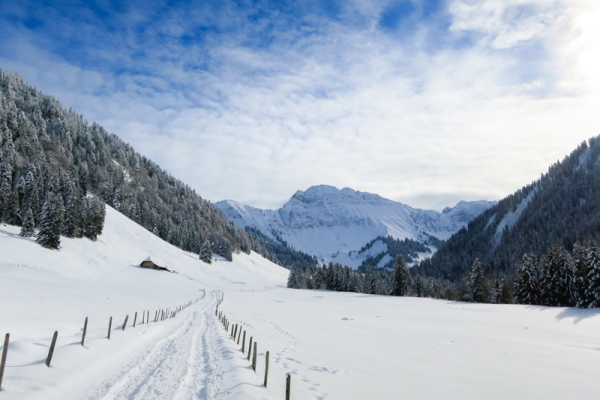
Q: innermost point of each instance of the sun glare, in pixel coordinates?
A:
(587, 47)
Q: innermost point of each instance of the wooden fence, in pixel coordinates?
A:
(237, 332)
(159, 316)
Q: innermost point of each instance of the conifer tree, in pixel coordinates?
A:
(14, 211)
(581, 274)
(5, 187)
(319, 278)
(558, 282)
(479, 286)
(370, 286)
(527, 281)
(292, 282)
(402, 278)
(206, 252)
(505, 294)
(592, 294)
(51, 221)
(310, 283)
(28, 224)
(466, 288)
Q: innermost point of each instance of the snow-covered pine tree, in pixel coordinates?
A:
(558, 281)
(581, 274)
(358, 283)
(28, 224)
(479, 285)
(95, 215)
(527, 281)
(51, 220)
(292, 282)
(5, 186)
(319, 278)
(402, 279)
(592, 293)
(13, 216)
(370, 281)
(505, 294)
(206, 252)
(72, 199)
(466, 288)
(31, 197)
(310, 279)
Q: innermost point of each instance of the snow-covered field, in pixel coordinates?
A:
(356, 346)
(42, 291)
(335, 345)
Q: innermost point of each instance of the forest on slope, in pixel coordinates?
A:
(562, 208)
(50, 155)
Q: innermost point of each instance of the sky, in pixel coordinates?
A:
(423, 102)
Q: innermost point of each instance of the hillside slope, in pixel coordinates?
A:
(562, 207)
(46, 290)
(334, 224)
(48, 152)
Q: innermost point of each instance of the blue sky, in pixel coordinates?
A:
(425, 102)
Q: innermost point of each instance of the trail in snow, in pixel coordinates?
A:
(182, 366)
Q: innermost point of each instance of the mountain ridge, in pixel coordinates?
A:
(333, 224)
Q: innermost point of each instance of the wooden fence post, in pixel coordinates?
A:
(51, 351)
(254, 358)
(134, 319)
(266, 368)
(109, 326)
(125, 322)
(84, 331)
(239, 335)
(287, 386)
(250, 348)
(244, 343)
(3, 360)
(143, 316)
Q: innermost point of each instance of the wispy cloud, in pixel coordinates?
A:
(422, 102)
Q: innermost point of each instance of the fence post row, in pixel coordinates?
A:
(84, 331)
(51, 351)
(3, 360)
(254, 358)
(250, 348)
(266, 368)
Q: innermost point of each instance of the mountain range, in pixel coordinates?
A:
(343, 226)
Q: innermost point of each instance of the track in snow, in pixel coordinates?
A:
(182, 366)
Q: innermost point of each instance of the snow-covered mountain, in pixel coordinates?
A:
(334, 224)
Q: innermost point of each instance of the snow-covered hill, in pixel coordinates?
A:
(46, 290)
(334, 224)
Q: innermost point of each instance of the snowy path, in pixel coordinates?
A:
(184, 365)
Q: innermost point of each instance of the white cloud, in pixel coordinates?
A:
(351, 107)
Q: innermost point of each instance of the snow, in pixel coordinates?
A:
(512, 217)
(335, 345)
(126, 176)
(334, 224)
(356, 346)
(47, 290)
